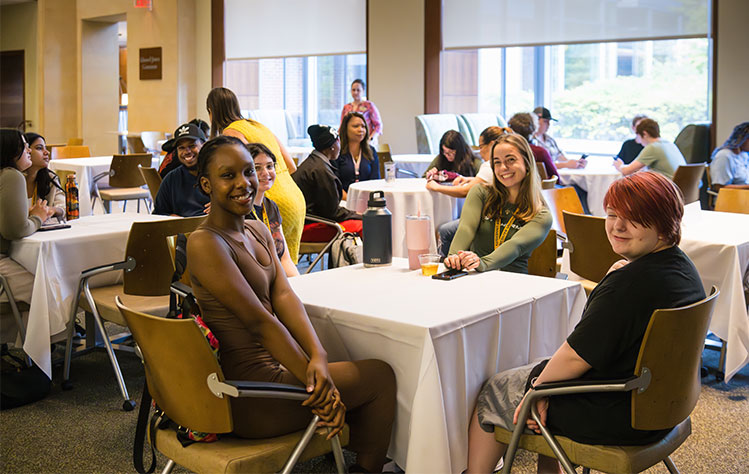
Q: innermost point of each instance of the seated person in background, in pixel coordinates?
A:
(264, 209)
(630, 148)
(524, 125)
(503, 222)
(643, 225)
(730, 161)
(659, 155)
(542, 139)
(17, 218)
(263, 330)
(170, 161)
(321, 187)
(455, 156)
(42, 182)
(462, 184)
(358, 160)
(179, 194)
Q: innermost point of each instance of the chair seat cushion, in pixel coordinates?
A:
(611, 459)
(234, 455)
(104, 298)
(123, 194)
(318, 232)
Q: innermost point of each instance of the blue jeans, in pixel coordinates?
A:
(446, 233)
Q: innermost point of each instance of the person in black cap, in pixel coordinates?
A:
(170, 161)
(178, 194)
(541, 138)
(322, 189)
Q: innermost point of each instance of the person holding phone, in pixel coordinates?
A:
(503, 222)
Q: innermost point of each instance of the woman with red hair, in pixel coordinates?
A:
(643, 225)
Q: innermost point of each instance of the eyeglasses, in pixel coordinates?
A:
(269, 167)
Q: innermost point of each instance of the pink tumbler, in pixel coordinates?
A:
(418, 238)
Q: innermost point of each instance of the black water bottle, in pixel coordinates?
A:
(377, 234)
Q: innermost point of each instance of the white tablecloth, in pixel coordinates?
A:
(416, 163)
(443, 340)
(299, 152)
(595, 178)
(718, 244)
(57, 258)
(85, 169)
(406, 197)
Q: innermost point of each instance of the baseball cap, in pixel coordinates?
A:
(186, 130)
(543, 113)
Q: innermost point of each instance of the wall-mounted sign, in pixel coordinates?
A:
(150, 63)
(143, 4)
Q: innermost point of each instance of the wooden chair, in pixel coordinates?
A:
(152, 178)
(125, 181)
(383, 154)
(147, 274)
(60, 152)
(688, 179)
(549, 183)
(664, 389)
(135, 144)
(732, 200)
(319, 248)
(186, 381)
(543, 259)
(75, 141)
(559, 200)
(591, 255)
(542, 171)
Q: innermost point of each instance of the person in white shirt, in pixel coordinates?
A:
(730, 161)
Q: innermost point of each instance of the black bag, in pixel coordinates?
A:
(20, 384)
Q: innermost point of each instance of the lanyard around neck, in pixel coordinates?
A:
(265, 215)
(500, 237)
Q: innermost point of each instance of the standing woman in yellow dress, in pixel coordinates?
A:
(226, 119)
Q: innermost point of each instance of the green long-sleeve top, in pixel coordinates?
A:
(15, 221)
(476, 233)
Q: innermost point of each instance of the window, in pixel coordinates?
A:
(593, 89)
(312, 89)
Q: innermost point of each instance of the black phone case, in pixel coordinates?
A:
(450, 275)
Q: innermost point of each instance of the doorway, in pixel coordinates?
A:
(12, 90)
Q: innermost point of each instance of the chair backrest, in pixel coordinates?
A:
(541, 171)
(149, 140)
(178, 361)
(147, 244)
(124, 173)
(135, 144)
(431, 127)
(277, 120)
(694, 142)
(152, 178)
(561, 199)
(671, 350)
(383, 154)
(80, 151)
(688, 179)
(549, 183)
(543, 259)
(591, 255)
(476, 123)
(732, 200)
(75, 141)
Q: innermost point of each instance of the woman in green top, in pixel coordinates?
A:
(504, 221)
(455, 155)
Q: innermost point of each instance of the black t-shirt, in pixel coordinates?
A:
(274, 219)
(608, 337)
(630, 150)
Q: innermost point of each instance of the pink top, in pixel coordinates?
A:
(370, 113)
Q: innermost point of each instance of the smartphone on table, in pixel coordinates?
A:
(451, 274)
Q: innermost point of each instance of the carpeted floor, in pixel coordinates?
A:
(84, 430)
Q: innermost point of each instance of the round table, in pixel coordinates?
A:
(406, 197)
(595, 178)
(414, 163)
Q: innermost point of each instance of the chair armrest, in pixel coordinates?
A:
(712, 193)
(180, 289)
(406, 172)
(566, 387)
(101, 175)
(127, 265)
(242, 388)
(328, 222)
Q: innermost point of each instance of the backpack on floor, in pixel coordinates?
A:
(19, 383)
(346, 250)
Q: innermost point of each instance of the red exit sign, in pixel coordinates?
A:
(143, 3)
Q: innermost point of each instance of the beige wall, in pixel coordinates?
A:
(396, 69)
(203, 57)
(732, 72)
(18, 31)
(99, 80)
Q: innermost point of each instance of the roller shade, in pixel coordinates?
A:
(287, 28)
(492, 23)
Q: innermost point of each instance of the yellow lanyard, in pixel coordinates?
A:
(265, 216)
(499, 238)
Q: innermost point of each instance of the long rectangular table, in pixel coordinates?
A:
(443, 339)
(57, 258)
